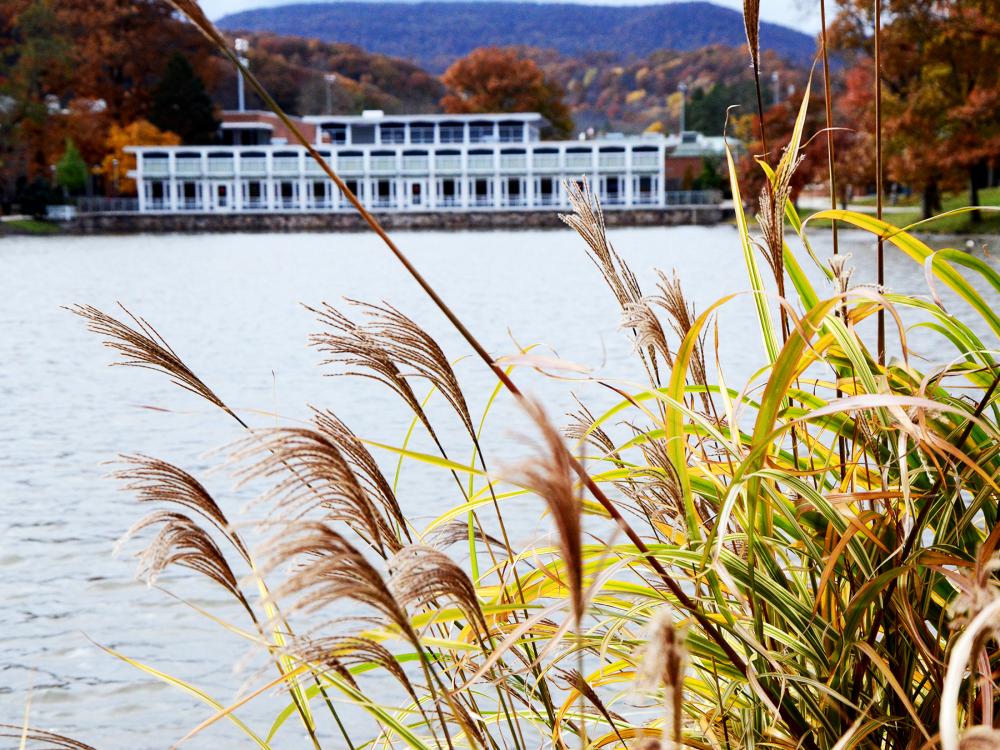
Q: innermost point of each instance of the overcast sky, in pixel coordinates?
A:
(799, 14)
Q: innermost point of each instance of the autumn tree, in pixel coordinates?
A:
(492, 79)
(181, 105)
(118, 161)
(941, 88)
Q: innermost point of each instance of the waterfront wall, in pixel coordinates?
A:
(136, 223)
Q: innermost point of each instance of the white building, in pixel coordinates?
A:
(400, 163)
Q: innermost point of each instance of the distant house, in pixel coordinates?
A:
(416, 163)
(687, 153)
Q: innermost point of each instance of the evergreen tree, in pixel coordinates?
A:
(181, 105)
(71, 170)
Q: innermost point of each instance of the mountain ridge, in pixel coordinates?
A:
(433, 33)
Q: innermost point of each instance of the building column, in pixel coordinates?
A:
(303, 184)
(661, 187)
(465, 177)
(237, 197)
(628, 187)
(140, 183)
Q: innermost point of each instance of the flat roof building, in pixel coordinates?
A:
(432, 162)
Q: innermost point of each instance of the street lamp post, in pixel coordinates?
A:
(683, 88)
(776, 82)
(242, 47)
(331, 80)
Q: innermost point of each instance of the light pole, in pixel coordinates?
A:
(242, 47)
(776, 82)
(114, 165)
(331, 79)
(683, 88)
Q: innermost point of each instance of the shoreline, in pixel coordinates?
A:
(135, 223)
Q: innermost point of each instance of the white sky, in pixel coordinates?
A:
(798, 14)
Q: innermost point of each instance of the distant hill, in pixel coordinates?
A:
(433, 34)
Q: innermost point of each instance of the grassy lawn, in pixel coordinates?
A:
(28, 226)
(960, 224)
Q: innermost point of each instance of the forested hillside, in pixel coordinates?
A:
(434, 34)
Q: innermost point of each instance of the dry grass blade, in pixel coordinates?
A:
(579, 683)
(771, 217)
(751, 22)
(181, 541)
(842, 272)
(341, 652)
(550, 476)
(682, 316)
(664, 662)
(412, 348)
(40, 739)
(365, 468)
(588, 221)
(331, 569)
(141, 346)
(353, 347)
(649, 336)
(421, 576)
(156, 481)
(581, 428)
(454, 532)
(311, 472)
(197, 16)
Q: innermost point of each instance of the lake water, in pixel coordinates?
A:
(230, 305)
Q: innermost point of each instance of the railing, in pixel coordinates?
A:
(383, 203)
(513, 161)
(448, 163)
(414, 163)
(190, 204)
(514, 201)
(611, 161)
(220, 165)
(613, 199)
(321, 204)
(288, 203)
(254, 204)
(253, 165)
(155, 167)
(449, 201)
(286, 165)
(644, 198)
(480, 162)
(383, 164)
(579, 161)
(101, 205)
(188, 166)
(693, 197)
(550, 199)
(351, 163)
(153, 204)
(545, 161)
(645, 161)
(312, 167)
(482, 200)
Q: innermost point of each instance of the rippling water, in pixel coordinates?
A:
(230, 305)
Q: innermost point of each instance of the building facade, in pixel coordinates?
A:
(400, 163)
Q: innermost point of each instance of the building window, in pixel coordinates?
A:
(393, 133)
(355, 187)
(547, 191)
(190, 195)
(336, 133)
(253, 196)
(421, 132)
(511, 132)
(481, 132)
(482, 192)
(451, 132)
(384, 190)
(319, 193)
(362, 134)
(448, 194)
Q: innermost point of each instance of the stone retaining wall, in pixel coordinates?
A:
(133, 223)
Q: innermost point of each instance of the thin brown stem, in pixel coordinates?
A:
(878, 174)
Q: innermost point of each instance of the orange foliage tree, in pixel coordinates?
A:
(492, 79)
(941, 89)
(138, 133)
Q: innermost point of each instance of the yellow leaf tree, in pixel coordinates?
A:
(118, 162)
